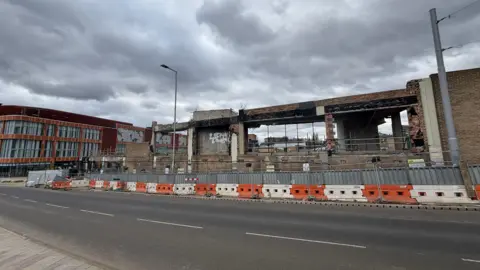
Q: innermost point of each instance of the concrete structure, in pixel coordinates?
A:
(211, 134)
(38, 138)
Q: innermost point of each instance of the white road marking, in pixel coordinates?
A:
(55, 205)
(168, 223)
(28, 200)
(305, 240)
(470, 260)
(3, 194)
(15, 197)
(98, 213)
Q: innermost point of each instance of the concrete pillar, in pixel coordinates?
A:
(341, 142)
(397, 131)
(241, 138)
(234, 150)
(190, 135)
(432, 131)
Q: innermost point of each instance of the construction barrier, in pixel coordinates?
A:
(277, 191)
(440, 194)
(184, 189)
(404, 194)
(205, 189)
(229, 190)
(249, 191)
(151, 188)
(131, 186)
(81, 183)
(352, 193)
(389, 193)
(141, 187)
(166, 189)
(65, 185)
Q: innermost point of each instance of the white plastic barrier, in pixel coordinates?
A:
(98, 184)
(114, 185)
(277, 191)
(80, 183)
(351, 193)
(131, 186)
(229, 190)
(440, 194)
(151, 187)
(184, 189)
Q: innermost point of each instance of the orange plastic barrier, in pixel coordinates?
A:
(106, 185)
(302, 192)
(141, 187)
(477, 191)
(164, 188)
(204, 189)
(249, 190)
(389, 193)
(91, 184)
(66, 185)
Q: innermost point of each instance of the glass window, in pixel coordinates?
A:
(1, 127)
(20, 149)
(120, 148)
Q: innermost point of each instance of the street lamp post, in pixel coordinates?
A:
(174, 118)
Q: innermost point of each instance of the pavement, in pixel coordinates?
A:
(18, 252)
(157, 232)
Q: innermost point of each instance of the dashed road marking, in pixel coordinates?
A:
(15, 197)
(305, 240)
(169, 223)
(3, 194)
(56, 205)
(32, 201)
(98, 213)
(470, 260)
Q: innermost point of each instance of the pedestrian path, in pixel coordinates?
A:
(17, 252)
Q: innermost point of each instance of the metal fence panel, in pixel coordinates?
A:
(207, 178)
(342, 178)
(393, 176)
(474, 172)
(227, 178)
(277, 178)
(250, 178)
(302, 178)
(435, 176)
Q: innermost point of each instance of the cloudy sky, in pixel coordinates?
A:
(103, 57)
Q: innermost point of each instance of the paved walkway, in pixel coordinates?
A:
(19, 253)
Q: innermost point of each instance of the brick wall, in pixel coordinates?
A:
(464, 89)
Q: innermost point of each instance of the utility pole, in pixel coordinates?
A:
(442, 76)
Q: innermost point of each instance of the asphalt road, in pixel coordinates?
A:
(132, 231)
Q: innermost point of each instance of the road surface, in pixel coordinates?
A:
(135, 231)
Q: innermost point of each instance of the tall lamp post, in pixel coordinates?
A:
(174, 118)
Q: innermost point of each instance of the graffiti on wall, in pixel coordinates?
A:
(219, 137)
(163, 139)
(164, 142)
(417, 139)
(129, 135)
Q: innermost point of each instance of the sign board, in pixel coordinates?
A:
(416, 163)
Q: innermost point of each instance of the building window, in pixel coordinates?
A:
(50, 130)
(1, 127)
(91, 134)
(48, 149)
(67, 149)
(23, 127)
(20, 149)
(89, 149)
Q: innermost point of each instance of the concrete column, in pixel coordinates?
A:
(190, 134)
(397, 131)
(341, 146)
(234, 150)
(241, 138)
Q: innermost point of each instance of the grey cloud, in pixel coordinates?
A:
(81, 91)
(230, 19)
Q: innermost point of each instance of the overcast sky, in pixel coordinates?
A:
(103, 57)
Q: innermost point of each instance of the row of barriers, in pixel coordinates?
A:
(404, 194)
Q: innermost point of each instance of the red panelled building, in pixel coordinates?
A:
(38, 138)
